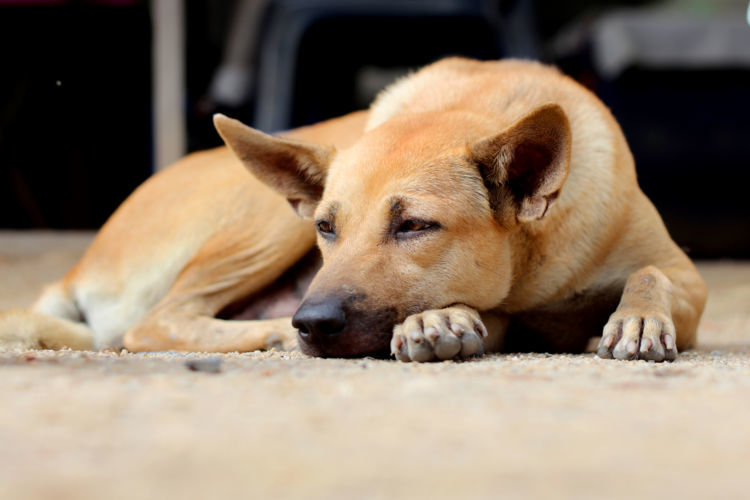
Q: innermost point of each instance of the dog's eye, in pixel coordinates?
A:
(410, 227)
(325, 228)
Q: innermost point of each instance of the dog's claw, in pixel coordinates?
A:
(439, 334)
(480, 329)
(471, 345)
(432, 335)
(398, 349)
(668, 341)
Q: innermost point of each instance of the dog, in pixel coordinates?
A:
(475, 207)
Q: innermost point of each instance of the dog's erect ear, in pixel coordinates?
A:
(295, 169)
(524, 166)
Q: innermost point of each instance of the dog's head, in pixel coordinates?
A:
(414, 216)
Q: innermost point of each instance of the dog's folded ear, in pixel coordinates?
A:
(525, 165)
(295, 169)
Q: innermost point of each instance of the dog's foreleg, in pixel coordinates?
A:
(658, 314)
(453, 332)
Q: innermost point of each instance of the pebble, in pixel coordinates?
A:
(208, 365)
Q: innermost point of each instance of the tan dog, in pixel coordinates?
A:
(476, 206)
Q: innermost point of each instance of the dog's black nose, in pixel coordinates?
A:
(318, 319)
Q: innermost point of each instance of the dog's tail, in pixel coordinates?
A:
(54, 322)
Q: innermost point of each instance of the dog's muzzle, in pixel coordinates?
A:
(331, 326)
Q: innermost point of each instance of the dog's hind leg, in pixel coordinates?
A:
(236, 264)
(203, 333)
(54, 322)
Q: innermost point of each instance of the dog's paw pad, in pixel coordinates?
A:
(439, 334)
(645, 337)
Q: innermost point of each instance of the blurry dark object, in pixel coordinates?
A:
(326, 86)
(312, 60)
(74, 120)
(690, 134)
(677, 80)
(312, 51)
(206, 365)
(75, 115)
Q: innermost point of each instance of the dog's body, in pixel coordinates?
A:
(472, 200)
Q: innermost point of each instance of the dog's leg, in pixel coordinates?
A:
(54, 322)
(238, 262)
(202, 333)
(657, 315)
(29, 330)
(454, 332)
(185, 319)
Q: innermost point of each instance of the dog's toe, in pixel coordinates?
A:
(418, 347)
(444, 342)
(652, 347)
(627, 347)
(471, 344)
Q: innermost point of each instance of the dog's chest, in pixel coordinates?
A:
(566, 325)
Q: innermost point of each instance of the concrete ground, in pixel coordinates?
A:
(83, 425)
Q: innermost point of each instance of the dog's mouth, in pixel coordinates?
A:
(334, 351)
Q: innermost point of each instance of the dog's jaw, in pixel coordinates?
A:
(318, 351)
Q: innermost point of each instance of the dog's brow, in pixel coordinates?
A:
(397, 206)
(330, 213)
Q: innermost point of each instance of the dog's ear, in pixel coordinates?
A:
(295, 169)
(524, 166)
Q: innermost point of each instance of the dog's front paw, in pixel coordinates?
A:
(632, 335)
(439, 334)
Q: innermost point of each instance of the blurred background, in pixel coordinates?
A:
(96, 95)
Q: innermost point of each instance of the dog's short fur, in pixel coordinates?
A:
(475, 206)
